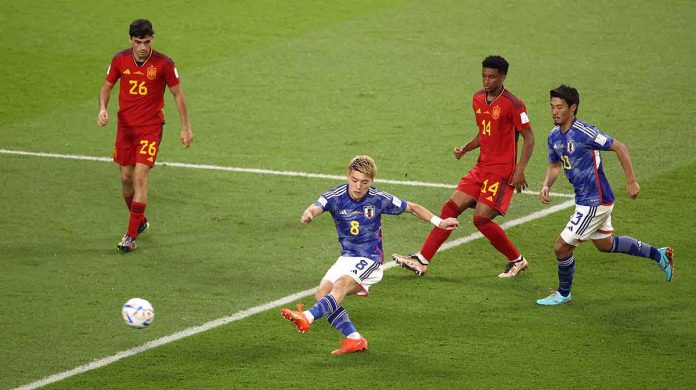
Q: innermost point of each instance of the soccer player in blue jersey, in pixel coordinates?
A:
(357, 209)
(575, 147)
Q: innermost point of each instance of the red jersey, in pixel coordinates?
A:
(141, 96)
(499, 124)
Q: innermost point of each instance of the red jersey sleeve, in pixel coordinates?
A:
(114, 71)
(519, 116)
(171, 76)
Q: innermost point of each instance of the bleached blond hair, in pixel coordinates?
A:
(363, 164)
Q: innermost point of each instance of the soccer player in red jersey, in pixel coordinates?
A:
(144, 73)
(488, 187)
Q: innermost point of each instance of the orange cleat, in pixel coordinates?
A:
(351, 345)
(297, 317)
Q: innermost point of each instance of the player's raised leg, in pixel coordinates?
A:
(633, 247)
(329, 306)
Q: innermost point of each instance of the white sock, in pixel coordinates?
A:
(355, 336)
(422, 259)
(309, 316)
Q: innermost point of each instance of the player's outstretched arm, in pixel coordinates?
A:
(518, 178)
(553, 170)
(311, 212)
(104, 96)
(425, 214)
(180, 100)
(632, 187)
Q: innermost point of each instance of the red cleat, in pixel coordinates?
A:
(297, 317)
(351, 345)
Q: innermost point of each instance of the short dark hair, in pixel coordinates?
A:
(140, 28)
(568, 94)
(496, 62)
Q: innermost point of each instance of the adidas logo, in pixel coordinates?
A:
(127, 71)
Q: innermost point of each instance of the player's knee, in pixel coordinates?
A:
(140, 181)
(562, 250)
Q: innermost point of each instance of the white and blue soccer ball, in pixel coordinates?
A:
(138, 313)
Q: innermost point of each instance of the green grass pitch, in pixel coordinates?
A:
(304, 86)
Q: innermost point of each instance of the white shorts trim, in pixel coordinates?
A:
(588, 223)
(365, 271)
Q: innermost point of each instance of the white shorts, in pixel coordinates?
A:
(588, 223)
(365, 271)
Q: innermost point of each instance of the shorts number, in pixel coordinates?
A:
(141, 88)
(566, 162)
(148, 147)
(354, 228)
(576, 218)
(485, 127)
(361, 265)
(492, 188)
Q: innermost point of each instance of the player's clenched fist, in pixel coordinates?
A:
(103, 118)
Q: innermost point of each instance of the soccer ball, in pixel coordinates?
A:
(138, 313)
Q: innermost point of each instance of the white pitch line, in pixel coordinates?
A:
(258, 309)
(249, 170)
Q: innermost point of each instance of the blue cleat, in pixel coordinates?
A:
(666, 262)
(555, 299)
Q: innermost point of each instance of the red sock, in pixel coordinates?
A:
(438, 236)
(496, 235)
(129, 200)
(137, 213)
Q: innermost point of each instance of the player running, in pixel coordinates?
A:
(575, 146)
(357, 209)
(144, 72)
(487, 188)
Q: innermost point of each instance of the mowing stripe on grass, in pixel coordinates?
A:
(258, 309)
(248, 170)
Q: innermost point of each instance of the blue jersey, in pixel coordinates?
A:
(359, 223)
(578, 152)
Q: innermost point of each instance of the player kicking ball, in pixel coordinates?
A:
(357, 209)
(574, 146)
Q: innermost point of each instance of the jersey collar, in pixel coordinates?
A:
(144, 62)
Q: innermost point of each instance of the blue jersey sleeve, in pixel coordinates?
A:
(553, 156)
(327, 201)
(323, 203)
(600, 141)
(391, 204)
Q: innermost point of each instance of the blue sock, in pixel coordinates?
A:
(324, 306)
(339, 319)
(566, 269)
(633, 247)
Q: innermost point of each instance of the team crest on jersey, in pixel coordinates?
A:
(151, 72)
(570, 146)
(496, 112)
(369, 211)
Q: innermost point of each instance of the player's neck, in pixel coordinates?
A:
(141, 61)
(492, 95)
(567, 125)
